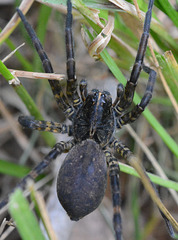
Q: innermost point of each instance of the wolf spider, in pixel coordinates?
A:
(81, 181)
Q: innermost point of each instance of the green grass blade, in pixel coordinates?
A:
(25, 220)
(135, 207)
(161, 100)
(167, 8)
(28, 101)
(154, 178)
(13, 169)
(25, 63)
(170, 71)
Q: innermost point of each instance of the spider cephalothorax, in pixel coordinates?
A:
(82, 177)
(95, 118)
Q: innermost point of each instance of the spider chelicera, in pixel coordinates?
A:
(82, 177)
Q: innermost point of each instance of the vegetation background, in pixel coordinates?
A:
(156, 130)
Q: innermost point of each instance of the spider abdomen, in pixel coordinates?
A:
(82, 178)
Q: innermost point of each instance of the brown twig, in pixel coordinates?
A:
(36, 75)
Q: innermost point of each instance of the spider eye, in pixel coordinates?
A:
(93, 95)
(94, 92)
(106, 98)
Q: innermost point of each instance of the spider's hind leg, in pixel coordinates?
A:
(125, 153)
(115, 187)
(58, 149)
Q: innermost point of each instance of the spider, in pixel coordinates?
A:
(81, 181)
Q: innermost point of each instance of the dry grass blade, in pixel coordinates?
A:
(3, 225)
(37, 75)
(93, 15)
(101, 41)
(128, 7)
(19, 136)
(12, 53)
(152, 159)
(135, 163)
(7, 232)
(171, 58)
(37, 186)
(15, 20)
(40, 204)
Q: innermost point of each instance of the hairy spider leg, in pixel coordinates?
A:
(115, 187)
(134, 114)
(58, 93)
(127, 98)
(58, 149)
(83, 89)
(126, 154)
(71, 92)
(41, 125)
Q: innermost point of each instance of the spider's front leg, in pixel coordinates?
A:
(115, 187)
(58, 93)
(125, 153)
(127, 98)
(58, 149)
(72, 93)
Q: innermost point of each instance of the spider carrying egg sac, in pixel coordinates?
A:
(82, 179)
